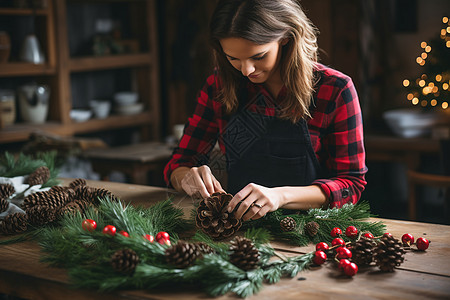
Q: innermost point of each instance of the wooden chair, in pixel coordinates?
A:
(416, 179)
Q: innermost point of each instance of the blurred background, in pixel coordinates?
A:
(109, 84)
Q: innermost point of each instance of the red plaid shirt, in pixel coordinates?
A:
(335, 128)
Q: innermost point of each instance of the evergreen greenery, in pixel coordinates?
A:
(87, 255)
(10, 166)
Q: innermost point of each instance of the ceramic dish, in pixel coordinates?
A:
(80, 115)
(130, 109)
(125, 98)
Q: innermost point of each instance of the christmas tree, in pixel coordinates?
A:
(431, 88)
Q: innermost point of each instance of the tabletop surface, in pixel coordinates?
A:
(423, 275)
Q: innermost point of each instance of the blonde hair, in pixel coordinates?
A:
(262, 22)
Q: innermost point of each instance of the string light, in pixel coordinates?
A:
(443, 32)
(410, 96)
(444, 20)
(406, 83)
(415, 101)
(422, 83)
(423, 44)
(438, 77)
(433, 102)
(444, 105)
(428, 49)
(445, 86)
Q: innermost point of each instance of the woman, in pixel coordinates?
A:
(290, 128)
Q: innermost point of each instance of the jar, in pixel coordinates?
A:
(7, 107)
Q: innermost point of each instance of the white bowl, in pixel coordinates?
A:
(410, 123)
(100, 108)
(129, 109)
(80, 115)
(125, 98)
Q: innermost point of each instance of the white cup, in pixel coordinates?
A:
(100, 108)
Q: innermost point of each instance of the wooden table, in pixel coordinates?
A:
(134, 160)
(423, 275)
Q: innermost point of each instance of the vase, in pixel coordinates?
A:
(31, 50)
(33, 102)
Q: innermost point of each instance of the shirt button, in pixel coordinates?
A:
(345, 193)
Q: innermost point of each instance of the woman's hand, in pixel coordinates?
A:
(199, 181)
(255, 202)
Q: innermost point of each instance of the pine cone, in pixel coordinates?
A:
(362, 251)
(92, 194)
(288, 224)
(204, 248)
(182, 254)
(70, 208)
(40, 215)
(311, 228)
(6, 190)
(14, 223)
(52, 199)
(77, 182)
(389, 253)
(243, 253)
(125, 261)
(70, 192)
(213, 218)
(39, 176)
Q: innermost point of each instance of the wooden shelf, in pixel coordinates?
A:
(91, 63)
(23, 12)
(25, 69)
(21, 131)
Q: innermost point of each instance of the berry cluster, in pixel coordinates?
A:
(90, 225)
(342, 251)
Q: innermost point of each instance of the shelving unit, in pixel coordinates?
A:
(59, 69)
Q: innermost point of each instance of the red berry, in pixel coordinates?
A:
(163, 238)
(319, 257)
(408, 239)
(387, 234)
(322, 246)
(344, 252)
(343, 263)
(351, 231)
(89, 225)
(337, 241)
(351, 269)
(109, 229)
(149, 237)
(336, 231)
(124, 233)
(422, 243)
(368, 235)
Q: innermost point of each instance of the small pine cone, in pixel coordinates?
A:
(213, 217)
(70, 192)
(41, 215)
(52, 199)
(92, 194)
(6, 190)
(39, 176)
(311, 228)
(363, 251)
(288, 224)
(70, 208)
(14, 223)
(77, 182)
(389, 253)
(243, 253)
(204, 248)
(4, 204)
(125, 261)
(182, 254)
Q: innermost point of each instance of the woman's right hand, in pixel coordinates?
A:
(196, 181)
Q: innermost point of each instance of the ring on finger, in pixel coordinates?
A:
(257, 205)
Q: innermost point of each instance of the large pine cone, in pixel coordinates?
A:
(14, 223)
(41, 215)
(389, 253)
(71, 208)
(52, 199)
(204, 248)
(363, 251)
(6, 190)
(288, 224)
(77, 182)
(125, 261)
(311, 228)
(244, 253)
(92, 194)
(39, 176)
(182, 254)
(213, 218)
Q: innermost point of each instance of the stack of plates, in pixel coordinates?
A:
(126, 103)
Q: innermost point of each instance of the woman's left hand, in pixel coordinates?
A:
(255, 202)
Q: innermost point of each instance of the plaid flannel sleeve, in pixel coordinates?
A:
(200, 133)
(343, 143)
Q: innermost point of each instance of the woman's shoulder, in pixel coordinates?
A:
(329, 76)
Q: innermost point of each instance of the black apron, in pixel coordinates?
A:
(267, 150)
